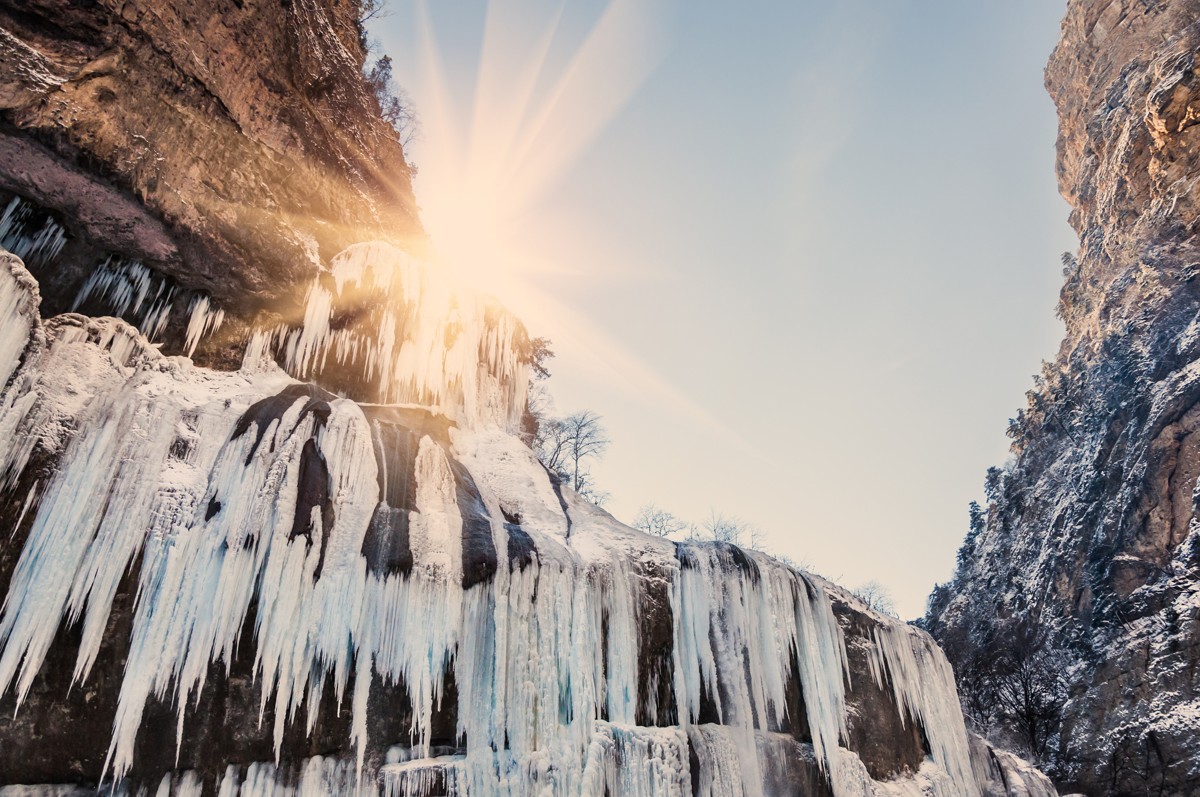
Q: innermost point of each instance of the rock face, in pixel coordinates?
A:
(1090, 543)
(229, 147)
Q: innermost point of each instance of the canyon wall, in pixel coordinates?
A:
(1088, 553)
(227, 148)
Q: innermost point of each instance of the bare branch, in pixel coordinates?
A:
(877, 597)
(657, 521)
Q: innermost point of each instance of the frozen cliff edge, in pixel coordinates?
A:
(237, 583)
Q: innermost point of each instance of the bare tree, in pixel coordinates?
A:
(722, 528)
(796, 564)
(551, 443)
(755, 537)
(1011, 684)
(586, 440)
(395, 106)
(371, 9)
(877, 597)
(976, 655)
(657, 521)
(588, 490)
(1031, 686)
(566, 446)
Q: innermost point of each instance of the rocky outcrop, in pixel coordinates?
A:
(1001, 774)
(229, 147)
(1090, 548)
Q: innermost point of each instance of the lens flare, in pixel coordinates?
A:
(493, 153)
(495, 146)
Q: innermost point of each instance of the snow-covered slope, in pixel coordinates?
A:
(238, 583)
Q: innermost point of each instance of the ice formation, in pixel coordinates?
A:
(117, 285)
(130, 289)
(406, 332)
(30, 235)
(356, 546)
(203, 319)
(922, 682)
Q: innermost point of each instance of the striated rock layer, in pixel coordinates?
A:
(230, 148)
(1091, 543)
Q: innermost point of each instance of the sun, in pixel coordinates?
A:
(496, 144)
(493, 150)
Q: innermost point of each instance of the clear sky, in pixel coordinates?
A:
(801, 256)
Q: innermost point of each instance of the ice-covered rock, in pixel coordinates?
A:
(238, 583)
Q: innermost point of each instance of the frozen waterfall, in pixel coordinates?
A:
(408, 566)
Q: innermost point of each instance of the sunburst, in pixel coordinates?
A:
(494, 150)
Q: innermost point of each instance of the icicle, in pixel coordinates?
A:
(318, 776)
(258, 356)
(752, 617)
(422, 777)
(722, 759)
(203, 319)
(127, 287)
(415, 338)
(37, 246)
(86, 531)
(190, 785)
(228, 786)
(923, 682)
(637, 762)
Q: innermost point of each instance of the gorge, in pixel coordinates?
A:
(270, 528)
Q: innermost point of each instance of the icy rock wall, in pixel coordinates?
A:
(531, 644)
(114, 285)
(385, 327)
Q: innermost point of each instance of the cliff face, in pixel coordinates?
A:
(1090, 548)
(230, 148)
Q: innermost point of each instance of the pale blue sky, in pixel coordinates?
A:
(822, 239)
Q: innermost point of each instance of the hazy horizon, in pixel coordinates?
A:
(802, 258)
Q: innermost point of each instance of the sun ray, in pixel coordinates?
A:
(493, 153)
